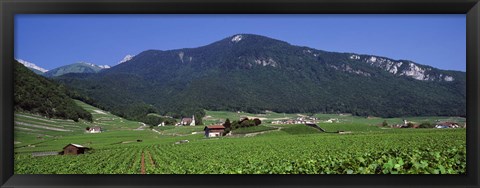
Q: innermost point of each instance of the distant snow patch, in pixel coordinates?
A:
(31, 65)
(237, 38)
(126, 58)
(91, 64)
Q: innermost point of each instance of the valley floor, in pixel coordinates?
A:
(283, 149)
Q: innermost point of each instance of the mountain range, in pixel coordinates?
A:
(253, 73)
(81, 67)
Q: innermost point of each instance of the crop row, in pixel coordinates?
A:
(440, 152)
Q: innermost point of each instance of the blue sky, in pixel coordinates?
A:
(51, 41)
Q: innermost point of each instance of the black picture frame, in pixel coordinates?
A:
(8, 8)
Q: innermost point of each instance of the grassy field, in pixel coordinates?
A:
(127, 147)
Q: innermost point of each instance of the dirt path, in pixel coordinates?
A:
(142, 127)
(169, 134)
(157, 131)
(142, 163)
(99, 112)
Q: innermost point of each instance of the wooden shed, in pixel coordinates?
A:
(74, 149)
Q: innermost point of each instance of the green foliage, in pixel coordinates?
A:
(38, 95)
(426, 125)
(410, 125)
(227, 123)
(384, 123)
(228, 126)
(257, 121)
(245, 122)
(156, 120)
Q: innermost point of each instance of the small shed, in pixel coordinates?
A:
(214, 130)
(74, 149)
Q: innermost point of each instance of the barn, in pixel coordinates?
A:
(214, 130)
(74, 149)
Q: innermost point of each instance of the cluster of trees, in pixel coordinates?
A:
(245, 122)
(426, 125)
(38, 95)
(154, 120)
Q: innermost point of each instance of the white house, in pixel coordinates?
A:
(95, 129)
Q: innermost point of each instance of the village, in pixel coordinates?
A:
(218, 128)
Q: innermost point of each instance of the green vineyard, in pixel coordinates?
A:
(396, 152)
(128, 147)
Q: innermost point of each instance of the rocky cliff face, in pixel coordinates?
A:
(404, 68)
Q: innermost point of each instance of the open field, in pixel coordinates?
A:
(283, 149)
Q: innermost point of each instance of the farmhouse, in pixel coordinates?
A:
(95, 129)
(187, 121)
(74, 149)
(214, 130)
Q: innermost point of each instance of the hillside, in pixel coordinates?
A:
(75, 68)
(38, 95)
(254, 73)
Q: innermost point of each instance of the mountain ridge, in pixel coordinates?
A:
(255, 73)
(33, 67)
(80, 67)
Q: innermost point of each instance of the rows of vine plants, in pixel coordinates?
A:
(439, 152)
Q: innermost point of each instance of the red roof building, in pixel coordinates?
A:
(214, 130)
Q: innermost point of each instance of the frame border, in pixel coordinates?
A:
(8, 8)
